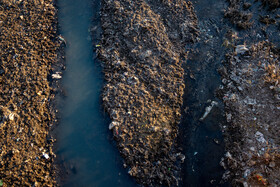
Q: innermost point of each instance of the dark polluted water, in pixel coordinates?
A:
(202, 139)
(84, 144)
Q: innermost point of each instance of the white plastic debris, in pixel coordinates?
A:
(241, 49)
(113, 124)
(56, 75)
(208, 110)
(46, 156)
(228, 155)
(11, 116)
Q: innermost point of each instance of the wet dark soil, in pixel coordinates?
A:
(251, 97)
(142, 50)
(28, 47)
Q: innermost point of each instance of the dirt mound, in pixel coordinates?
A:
(28, 47)
(142, 50)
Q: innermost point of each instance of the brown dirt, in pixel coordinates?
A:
(28, 48)
(142, 50)
(251, 93)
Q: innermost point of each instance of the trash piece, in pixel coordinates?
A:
(62, 39)
(241, 49)
(1, 182)
(216, 141)
(11, 116)
(113, 124)
(208, 110)
(46, 156)
(56, 75)
(195, 153)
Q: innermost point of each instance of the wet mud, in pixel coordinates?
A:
(28, 48)
(250, 94)
(246, 14)
(251, 97)
(142, 51)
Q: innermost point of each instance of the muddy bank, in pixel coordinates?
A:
(28, 47)
(250, 92)
(142, 50)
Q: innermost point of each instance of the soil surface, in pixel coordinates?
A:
(250, 92)
(252, 105)
(142, 50)
(28, 48)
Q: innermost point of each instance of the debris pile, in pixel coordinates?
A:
(28, 48)
(142, 50)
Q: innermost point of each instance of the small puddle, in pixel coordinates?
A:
(84, 145)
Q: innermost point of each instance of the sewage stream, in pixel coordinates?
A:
(84, 144)
(202, 139)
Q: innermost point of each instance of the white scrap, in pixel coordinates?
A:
(11, 116)
(56, 75)
(241, 49)
(113, 124)
(208, 110)
(46, 156)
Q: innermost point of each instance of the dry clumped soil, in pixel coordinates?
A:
(28, 49)
(251, 93)
(142, 50)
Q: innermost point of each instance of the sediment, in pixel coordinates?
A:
(251, 94)
(142, 49)
(28, 48)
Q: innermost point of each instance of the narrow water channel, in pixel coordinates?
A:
(84, 146)
(202, 140)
